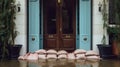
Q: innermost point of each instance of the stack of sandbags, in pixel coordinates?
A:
(51, 54)
(62, 54)
(24, 57)
(32, 56)
(92, 55)
(41, 53)
(80, 54)
(71, 56)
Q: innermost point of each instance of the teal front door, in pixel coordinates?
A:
(59, 24)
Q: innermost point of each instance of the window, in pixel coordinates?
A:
(114, 12)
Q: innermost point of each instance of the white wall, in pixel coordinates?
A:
(21, 26)
(97, 25)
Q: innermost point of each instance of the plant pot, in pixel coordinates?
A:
(14, 51)
(116, 48)
(106, 51)
(0, 51)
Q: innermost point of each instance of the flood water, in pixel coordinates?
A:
(60, 63)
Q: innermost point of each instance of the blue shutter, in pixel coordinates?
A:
(85, 24)
(34, 20)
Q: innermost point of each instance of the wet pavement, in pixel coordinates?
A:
(60, 63)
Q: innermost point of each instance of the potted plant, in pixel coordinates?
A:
(105, 50)
(8, 31)
(114, 30)
(0, 51)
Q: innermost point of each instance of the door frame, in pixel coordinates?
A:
(77, 25)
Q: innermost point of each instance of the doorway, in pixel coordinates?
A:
(59, 24)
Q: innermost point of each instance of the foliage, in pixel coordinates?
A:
(105, 19)
(115, 29)
(7, 24)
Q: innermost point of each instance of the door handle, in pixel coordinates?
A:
(33, 39)
(50, 36)
(60, 29)
(67, 36)
(85, 39)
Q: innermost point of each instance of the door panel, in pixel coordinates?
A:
(67, 44)
(59, 24)
(85, 24)
(50, 41)
(33, 25)
(67, 34)
(50, 24)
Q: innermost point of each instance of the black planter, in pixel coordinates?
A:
(14, 51)
(0, 51)
(106, 51)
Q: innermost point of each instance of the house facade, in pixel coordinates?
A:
(59, 24)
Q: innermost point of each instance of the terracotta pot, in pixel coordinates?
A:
(116, 48)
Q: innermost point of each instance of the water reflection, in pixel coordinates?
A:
(109, 63)
(60, 63)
